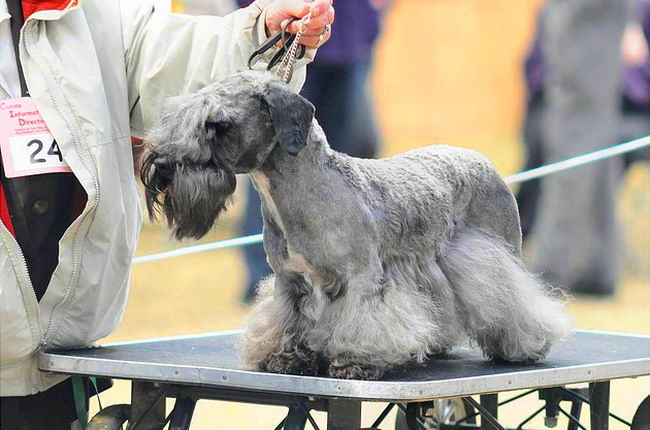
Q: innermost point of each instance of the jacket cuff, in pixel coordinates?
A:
(259, 31)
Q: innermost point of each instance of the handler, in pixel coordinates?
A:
(91, 75)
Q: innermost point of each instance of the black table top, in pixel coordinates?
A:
(213, 360)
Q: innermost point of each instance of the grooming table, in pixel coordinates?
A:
(209, 367)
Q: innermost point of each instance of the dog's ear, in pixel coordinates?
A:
(291, 115)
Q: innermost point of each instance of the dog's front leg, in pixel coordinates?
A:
(275, 330)
(382, 322)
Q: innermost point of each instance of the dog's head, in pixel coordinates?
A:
(202, 140)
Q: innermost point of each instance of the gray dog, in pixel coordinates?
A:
(377, 262)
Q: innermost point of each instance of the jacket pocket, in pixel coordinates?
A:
(19, 336)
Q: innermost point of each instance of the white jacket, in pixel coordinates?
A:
(98, 72)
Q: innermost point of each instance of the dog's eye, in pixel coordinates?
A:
(219, 127)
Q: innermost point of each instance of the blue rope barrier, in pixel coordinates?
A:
(527, 175)
(578, 160)
(228, 243)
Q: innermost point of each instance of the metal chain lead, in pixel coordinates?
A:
(286, 66)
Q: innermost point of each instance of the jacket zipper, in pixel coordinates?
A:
(77, 145)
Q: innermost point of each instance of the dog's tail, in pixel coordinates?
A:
(511, 314)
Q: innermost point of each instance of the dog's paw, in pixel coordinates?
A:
(355, 371)
(306, 364)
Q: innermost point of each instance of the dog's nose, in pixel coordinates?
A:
(164, 169)
(162, 163)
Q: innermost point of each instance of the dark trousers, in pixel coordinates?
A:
(528, 193)
(53, 409)
(635, 123)
(575, 238)
(345, 111)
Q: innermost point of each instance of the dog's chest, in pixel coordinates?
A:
(293, 260)
(263, 188)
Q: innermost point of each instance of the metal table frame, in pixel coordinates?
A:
(158, 377)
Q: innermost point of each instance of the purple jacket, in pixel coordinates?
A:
(354, 32)
(636, 80)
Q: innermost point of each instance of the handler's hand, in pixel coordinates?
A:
(322, 15)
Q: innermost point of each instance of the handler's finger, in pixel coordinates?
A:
(297, 8)
(316, 25)
(315, 41)
(319, 7)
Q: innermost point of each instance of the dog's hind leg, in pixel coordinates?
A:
(506, 310)
(274, 337)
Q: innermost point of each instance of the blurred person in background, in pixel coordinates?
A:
(636, 96)
(337, 84)
(95, 73)
(587, 90)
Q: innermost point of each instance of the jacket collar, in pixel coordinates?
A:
(48, 9)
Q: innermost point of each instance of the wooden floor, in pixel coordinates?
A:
(446, 71)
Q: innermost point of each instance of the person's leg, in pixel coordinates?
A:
(317, 83)
(254, 255)
(53, 409)
(575, 237)
(528, 193)
(9, 413)
(331, 89)
(635, 124)
(366, 136)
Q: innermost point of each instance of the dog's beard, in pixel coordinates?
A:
(191, 197)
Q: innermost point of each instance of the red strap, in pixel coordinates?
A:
(4, 211)
(32, 6)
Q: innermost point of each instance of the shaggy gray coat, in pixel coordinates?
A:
(376, 263)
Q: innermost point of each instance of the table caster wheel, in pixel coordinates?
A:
(641, 420)
(110, 418)
(446, 411)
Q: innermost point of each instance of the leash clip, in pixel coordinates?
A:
(286, 54)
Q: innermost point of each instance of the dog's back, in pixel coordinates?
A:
(430, 192)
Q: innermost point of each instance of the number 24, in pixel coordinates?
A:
(54, 150)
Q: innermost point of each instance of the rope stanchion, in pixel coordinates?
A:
(579, 160)
(527, 175)
(228, 243)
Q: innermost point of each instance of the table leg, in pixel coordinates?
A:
(343, 414)
(296, 418)
(491, 403)
(599, 405)
(576, 409)
(552, 398)
(143, 397)
(182, 414)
